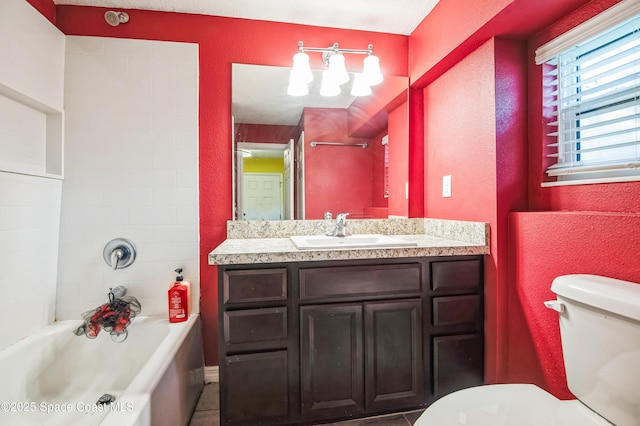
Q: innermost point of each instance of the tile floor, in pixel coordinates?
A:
(208, 413)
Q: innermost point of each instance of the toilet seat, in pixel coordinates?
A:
(507, 405)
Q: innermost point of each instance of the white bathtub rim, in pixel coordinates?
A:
(47, 330)
(147, 379)
(138, 391)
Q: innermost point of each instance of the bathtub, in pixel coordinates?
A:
(56, 378)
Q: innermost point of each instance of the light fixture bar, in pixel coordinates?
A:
(336, 75)
(335, 49)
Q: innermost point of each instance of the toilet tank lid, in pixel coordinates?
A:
(612, 295)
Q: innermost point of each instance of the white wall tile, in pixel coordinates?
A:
(131, 185)
(29, 44)
(29, 222)
(85, 45)
(96, 64)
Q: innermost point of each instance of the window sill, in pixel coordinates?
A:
(590, 181)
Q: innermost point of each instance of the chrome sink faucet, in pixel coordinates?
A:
(341, 226)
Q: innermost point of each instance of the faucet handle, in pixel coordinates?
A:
(341, 217)
(119, 253)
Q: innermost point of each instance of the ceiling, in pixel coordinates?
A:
(387, 16)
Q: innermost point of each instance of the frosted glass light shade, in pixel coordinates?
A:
(301, 70)
(360, 86)
(337, 69)
(372, 71)
(329, 86)
(296, 88)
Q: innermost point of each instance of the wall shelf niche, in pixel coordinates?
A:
(31, 135)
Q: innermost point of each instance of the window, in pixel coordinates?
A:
(591, 102)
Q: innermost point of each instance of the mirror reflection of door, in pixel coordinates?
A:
(262, 196)
(300, 177)
(265, 181)
(289, 178)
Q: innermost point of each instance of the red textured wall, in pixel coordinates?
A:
(455, 28)
(337, 178)
(449, 47)
(368, 116)
(398, 160)
(575, 235)
(416, 152)
(377, 179)
(460, 140)
(223, 41)
(550, 244)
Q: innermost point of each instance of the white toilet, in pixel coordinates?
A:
(600, 331)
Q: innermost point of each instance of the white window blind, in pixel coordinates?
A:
(591, 102)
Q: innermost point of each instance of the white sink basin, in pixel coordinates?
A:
(311, 242)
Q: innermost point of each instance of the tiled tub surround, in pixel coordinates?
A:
(268, 241)
(131, 170)
(31, 103)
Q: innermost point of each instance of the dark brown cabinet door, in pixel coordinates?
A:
(393, 360)
(331, 360)
(255, 387)
(458, 363)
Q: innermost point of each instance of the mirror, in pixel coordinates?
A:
(297, 157)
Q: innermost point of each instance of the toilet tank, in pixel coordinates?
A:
(600, 331)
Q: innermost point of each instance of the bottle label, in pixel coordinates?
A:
(177, 305)
(176, 301)
(176, 313)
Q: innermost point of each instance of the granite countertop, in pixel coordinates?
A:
(268, 242)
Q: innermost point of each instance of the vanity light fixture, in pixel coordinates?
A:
(329, 86)
(360, 85)
(336, 74)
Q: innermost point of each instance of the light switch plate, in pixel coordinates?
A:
(446, 186)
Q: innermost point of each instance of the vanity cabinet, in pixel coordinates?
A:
(456, 328)
(256, 338)
(310, 342)
(366, 355)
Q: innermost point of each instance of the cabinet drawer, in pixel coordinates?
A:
(360, 282)
(456, 310)
(255, 325)
(456, 275)
(256, 285)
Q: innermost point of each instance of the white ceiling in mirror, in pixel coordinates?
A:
(396, 17)
(260, 96)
